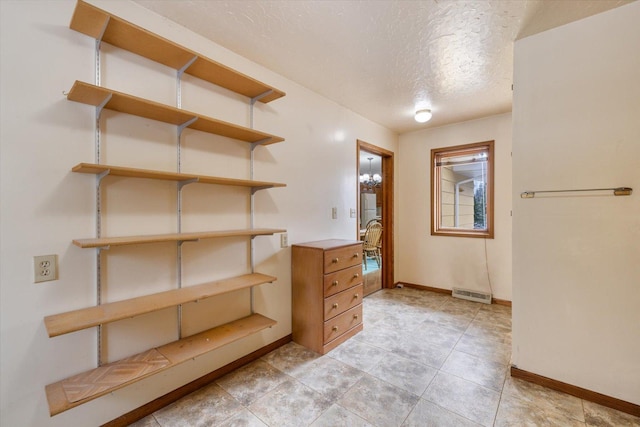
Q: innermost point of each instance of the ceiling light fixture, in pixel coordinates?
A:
(423, 116)
(370, 179)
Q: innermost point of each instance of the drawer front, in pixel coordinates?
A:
(341, 280)
(340, 324)
(345, 300)
(337, 259)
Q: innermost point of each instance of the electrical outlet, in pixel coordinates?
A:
(45, 268)
(334, 213)
(352, 213)
(284, 240)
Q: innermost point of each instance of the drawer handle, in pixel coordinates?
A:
(335, 329)
(356, 255)
(335, 283)
(335, 260)
(355, 296)
(355, 316)
(335, 305)
(355, 276)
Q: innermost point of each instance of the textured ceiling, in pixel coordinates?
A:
(384, 59)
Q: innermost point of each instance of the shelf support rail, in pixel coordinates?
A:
(179, 74)
(181, 184)
(99, 177)
(179, 273)
(617, 191)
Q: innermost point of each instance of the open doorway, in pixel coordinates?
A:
(375, 215)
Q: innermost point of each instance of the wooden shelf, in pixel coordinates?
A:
(91, 168)
(86, 93)
(99, 24)
(82, 388)
(76, 320)
(174, 237)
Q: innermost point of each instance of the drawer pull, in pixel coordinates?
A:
(335, 329)
(355, 276)
(335, 283)
(335, 305)
(355, 316)
(355, 296)
(335, 260)
(356, 255)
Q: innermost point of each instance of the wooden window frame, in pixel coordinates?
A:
(436, 204)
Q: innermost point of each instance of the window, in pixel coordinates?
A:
(462, 190)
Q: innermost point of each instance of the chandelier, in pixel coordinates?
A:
(369, 179)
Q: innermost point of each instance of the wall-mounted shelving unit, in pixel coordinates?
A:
(107, 377)
(102, 25)
(112, 100)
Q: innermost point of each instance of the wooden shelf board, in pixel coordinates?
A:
(71, 321)
(89, 94)
(84, 387)
(90, 20)
(95, 169)
(174, 237)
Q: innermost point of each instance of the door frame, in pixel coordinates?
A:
(387, 207)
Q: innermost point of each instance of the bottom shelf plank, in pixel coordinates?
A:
(84, 387)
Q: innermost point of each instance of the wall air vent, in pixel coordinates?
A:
(476, 296)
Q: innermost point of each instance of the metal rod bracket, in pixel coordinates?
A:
(259, 143)
(185, 124)
(262, 95)
(104, 102)
(187, 182)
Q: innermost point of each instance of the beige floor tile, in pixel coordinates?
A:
(427, 353)
(544, 398)
(243, 418)
(292, 359)
(465, 398)
(378, 402)
(481, 371)
(358, 354)
(486, 348)
(515, 412)
(601, 416)
(290, 404)
(336, 416)
(494, 318)
(207, 406)
(252, 381)
(483, 330)
(148, 421)
(459, 322)
(455, 353)
(427, 414)
(330, 377)
(411, 376)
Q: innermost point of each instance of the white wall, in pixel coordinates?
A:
(447, 262)
(576, 260)
(44, 206)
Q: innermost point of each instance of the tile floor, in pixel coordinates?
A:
(423, 359)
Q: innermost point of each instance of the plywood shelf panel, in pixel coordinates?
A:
(89, 94)
(84, 387)
(173, 237)
(95, 169)
(100, 24)
(71, 321)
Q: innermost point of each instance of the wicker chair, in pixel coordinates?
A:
(371, 242)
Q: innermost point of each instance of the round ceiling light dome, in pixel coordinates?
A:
(423, 116)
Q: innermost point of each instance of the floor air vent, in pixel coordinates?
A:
(472, 295)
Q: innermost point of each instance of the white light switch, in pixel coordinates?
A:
(334, 213)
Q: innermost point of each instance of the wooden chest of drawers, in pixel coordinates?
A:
(327, 292)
